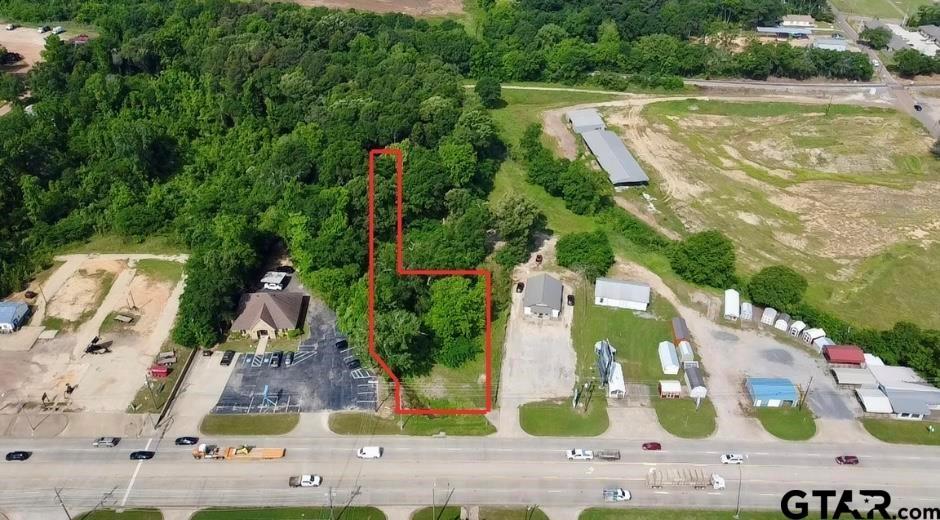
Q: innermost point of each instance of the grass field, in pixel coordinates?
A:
(156, 245)
(680, 418)
(676, 514)
(841, 195)
(250, 424)
(880, 8)
(511, 513)
(132, 514)
(789, 424)
(557, 418)
(903, 432)
(290, 513)
(360, 423)
(160, 270)
(437, 513)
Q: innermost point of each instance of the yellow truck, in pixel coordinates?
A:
(243, 452)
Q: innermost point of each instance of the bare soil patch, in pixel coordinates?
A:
(25, 41)
(83, 290)
(411, 7)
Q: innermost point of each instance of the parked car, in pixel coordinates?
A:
(186, 441)
(342, 344)
(370, 452)
(570, 300)
(579, 454)
(106, 442)
(732, 458)
(849, 460)
(10, 26)
(353, 363)
(19, 455)
(58, 29)
(276, 359)
(284, 269)
(227, 358)
(616, 495)
(652, 446)
(142, 455)
(42, 29)
(519, 287)
(288, 359)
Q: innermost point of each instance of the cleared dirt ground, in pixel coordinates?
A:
(25, 41)
(412, 7)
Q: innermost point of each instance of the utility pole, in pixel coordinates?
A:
(737, 509)
(331, 502)
(805, 395)
(433, 493)
(61, 503)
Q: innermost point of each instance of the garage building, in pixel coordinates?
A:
(695, 382)
(670, 389)
(585, 120)
(624, 295)
(771, 392)
(853, 377)
(668, 358)
(911, 397)
(12, 316)
(732, 305)
(873, 400)
(850, 355)
(542, 297)
(614, 158)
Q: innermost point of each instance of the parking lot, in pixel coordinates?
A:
(318, 379)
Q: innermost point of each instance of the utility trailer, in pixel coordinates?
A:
(683, 477)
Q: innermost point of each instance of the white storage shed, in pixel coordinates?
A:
(796, 328)
(670, 389)
(732, 305)
(747, 311)
(695, 382)
(872, 360)
(783, 322)
(668, 358)
(685, 352)
(822, 343)
(769, 317)
(811, 335)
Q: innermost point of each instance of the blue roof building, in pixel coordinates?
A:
(771, 392)
(12, 315)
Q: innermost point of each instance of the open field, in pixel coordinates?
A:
(903, 432)
(420, 8)
(290, 513)
(557, 418)
(789, 424)
(680, 418)
(249, 424)
(880, 8)
(362, 423)
(845, 197)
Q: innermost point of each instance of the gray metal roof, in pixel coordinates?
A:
(614, 157)
(822, 43)
(680, 331)
(931, 31)
(785, 30)
(620, 290)
(542, 291)
(908, 402)
(585, 118)
(694, 376)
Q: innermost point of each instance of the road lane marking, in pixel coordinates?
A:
(661, 492)
(134, 476)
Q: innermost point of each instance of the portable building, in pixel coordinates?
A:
(668, 358)
(771, 392)
(769, 317)
(853, 377)
(873, 400)
(622, 294)
(680, 331)
(12, 316)
(831, 44)
(747, 311)
(616, 386)
(685, 352)
(872, 360)
(811, 335)
(732, 305)
(796, 328)
(844, 355)
(823, 342)
(783, 322)
(695, 382)
(585, 120)
(670, 389)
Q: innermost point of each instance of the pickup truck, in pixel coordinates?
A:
(305, 481)
(579, 454)
(616, 495)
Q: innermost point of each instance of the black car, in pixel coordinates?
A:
(353, 364)
(142, 455)
(284, 269)
(227, 358)
(342, 344)
(206, 352)
(519, 287)
(288, 359)
(276, 359)
(570, 299)
(918, 107)
(186, 441)
(19, 455)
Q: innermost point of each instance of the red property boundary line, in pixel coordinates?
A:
(401, 271)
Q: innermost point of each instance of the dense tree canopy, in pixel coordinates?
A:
(705, 258)
(587, 253)
(777, 286)
(875, 37)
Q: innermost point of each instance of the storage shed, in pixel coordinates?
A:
(844, 355)
(873, 400)
(622, 294)
(853, 377)
(616, 386)
(822, 343)
(796, 328)
(771, 392)
(695, 382)
(668, 358)
(747, 311)
(769, 317)
(680, 331)
(12, 316)
(685, 352)
(585, 120)
(872, 360)
(670, 389)
(811, 335)
(614, 158)
(732, 305)
(783, 322)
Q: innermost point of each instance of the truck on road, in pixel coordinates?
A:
(607, 454)
(244, 452)
(694, 478)
(616, 495)
(305, 481)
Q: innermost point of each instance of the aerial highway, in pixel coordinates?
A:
(466, 471)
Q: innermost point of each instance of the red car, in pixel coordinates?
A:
(847, 459)
(652, 446)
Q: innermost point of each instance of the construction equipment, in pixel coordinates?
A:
(243, 452)
(694, 478)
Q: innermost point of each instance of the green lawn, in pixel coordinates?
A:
(511, 513)
(680, 418)
(674, 514)
(131, 514)
(156, 245)
(160, 270)
(290, 513)
(556, 418)
(895, 9)
(361, 423)
(903, 432)
(437, 513)
(249, 424)
(240, 343)
(789, 424)
(160, 388)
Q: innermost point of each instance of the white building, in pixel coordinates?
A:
(670, 389)
(747, 311)
(831, 44)
(798, 20)
(811, 335)
(853, 377)
(685, 352)
(542, 297)
(873, 400)
(822, 343)
(796, 328)
(914, 39)
(616, 385)
(585, 120)
(910, 396)
(695, 382)
(783, 322)
(622, 294)
(769, 317)
(274, 280)
(668, 358)
(732, 305)
(872, 360)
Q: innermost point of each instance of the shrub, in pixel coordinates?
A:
(588, 253)
(777, 286)
(705, 258)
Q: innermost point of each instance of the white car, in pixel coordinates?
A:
(10, 26)
(306, 481)
(579, 454)
(732, 458)
(370, 452)
(616, 495)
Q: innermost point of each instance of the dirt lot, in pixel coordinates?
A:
(412, 7)
(83, 290)
(25, 41)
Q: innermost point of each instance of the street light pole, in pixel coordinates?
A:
(737, 509)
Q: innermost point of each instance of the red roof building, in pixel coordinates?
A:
(844, 355)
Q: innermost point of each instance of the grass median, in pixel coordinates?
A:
(437, 513)
(556, 418)
(249, 424)
(680, 418)
(290, 513)
(511, 513)
(675, 514)
(789, 424)
(361, 423)
(903, 432)
(130, 514)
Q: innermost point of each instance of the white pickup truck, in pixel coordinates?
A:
(305, 481)
(579, 454)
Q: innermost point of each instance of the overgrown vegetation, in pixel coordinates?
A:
(587, 253)
(777, 286)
